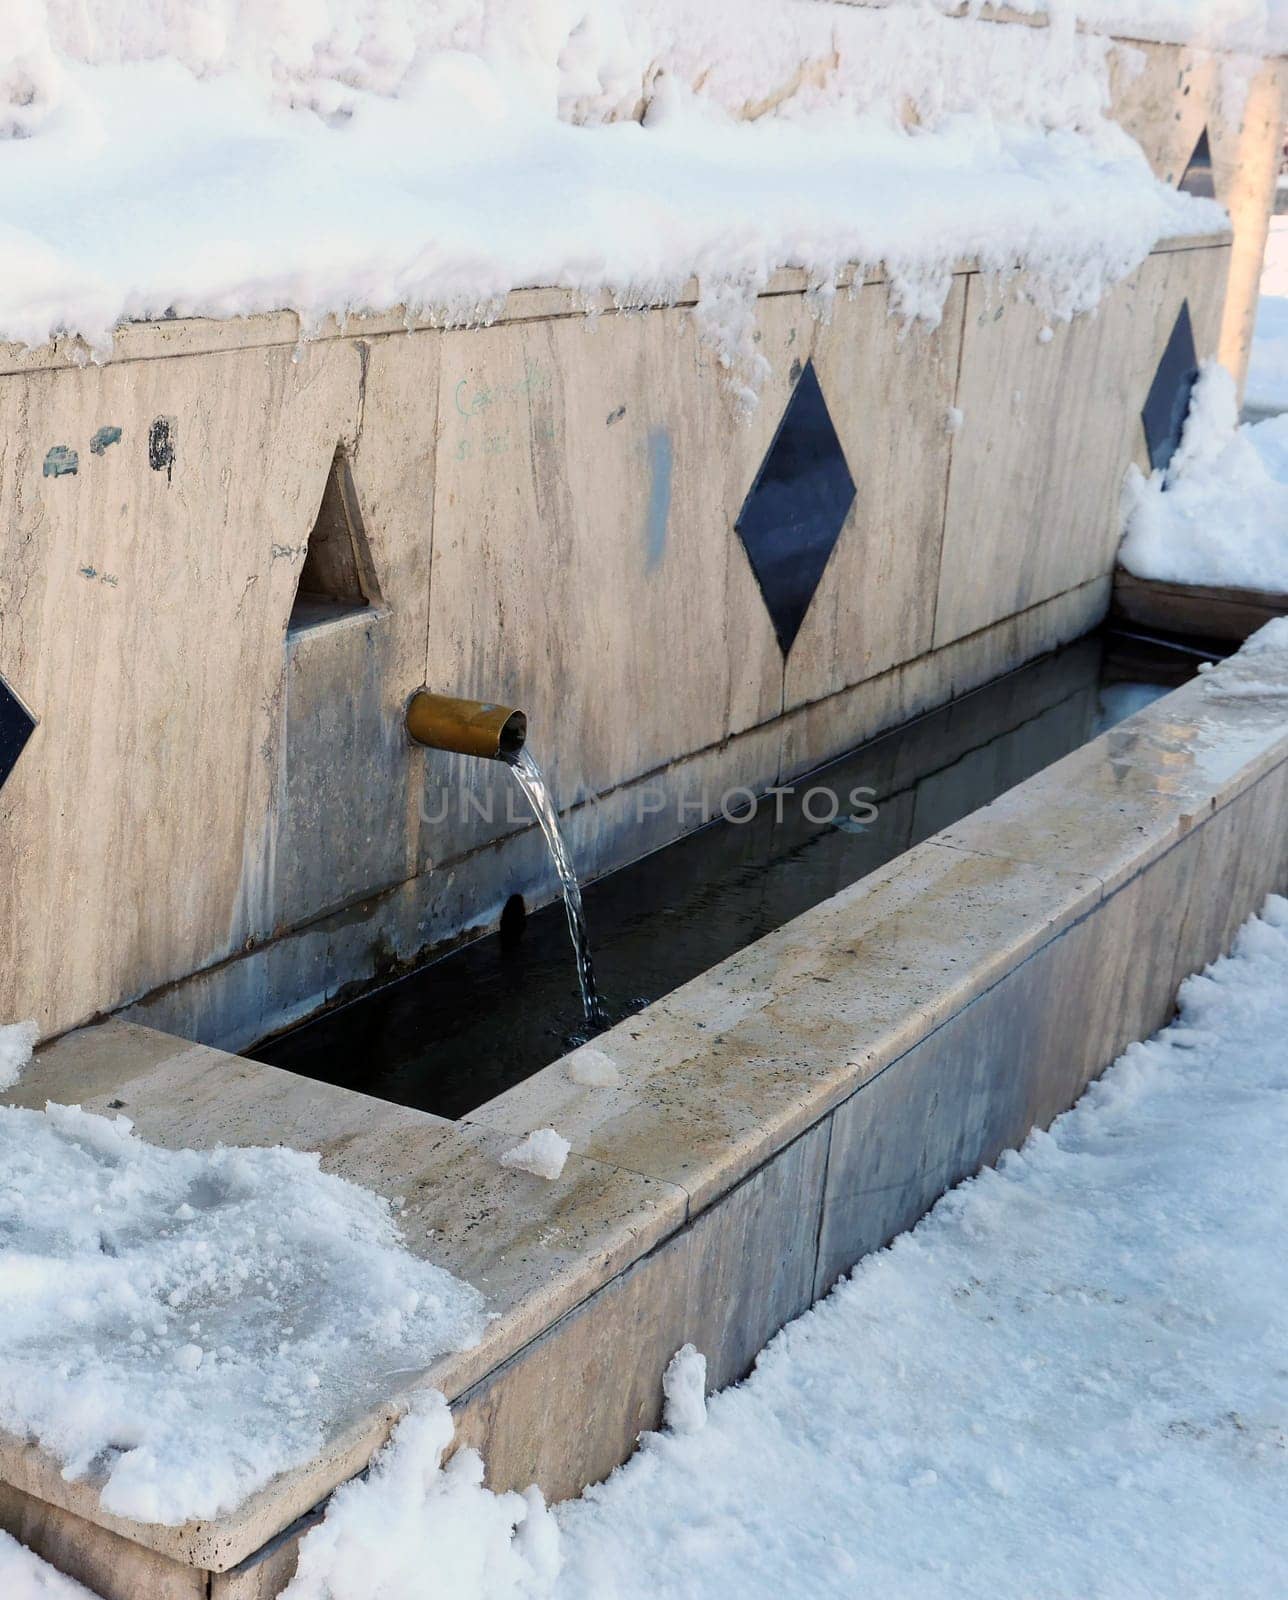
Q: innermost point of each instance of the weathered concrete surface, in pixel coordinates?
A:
(875, 606)
(1028, 516)
(108, 1564)
(716, 1075)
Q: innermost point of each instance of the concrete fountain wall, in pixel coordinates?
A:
(219, 823)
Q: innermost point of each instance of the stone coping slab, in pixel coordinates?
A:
(532, 1247)
(190, 336)
(714, 1080)
(726, 1070)
(1120, 802)
(732, 1065)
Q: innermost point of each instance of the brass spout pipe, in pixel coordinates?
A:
(470, 727)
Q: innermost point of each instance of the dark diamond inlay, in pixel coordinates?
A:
(793, 516)
(1197, 177)
(1169, 394)
(16, 723)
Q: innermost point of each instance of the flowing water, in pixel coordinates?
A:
(467, 1025)
(530, 780)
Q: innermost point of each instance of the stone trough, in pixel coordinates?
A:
(791, 1110)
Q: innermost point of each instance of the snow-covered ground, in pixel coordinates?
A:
(1219, 513)
(1067, 1381)
(223, 156)
(1267, 386)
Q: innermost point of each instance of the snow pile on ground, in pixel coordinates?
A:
(542, 1153)
(1219, 513)
(17, 1040)
(1068, 1380)
(186, 1324)
(1267, 386)
(434, 154)
(684, 1391)
(24, 1576)
(414, 1529)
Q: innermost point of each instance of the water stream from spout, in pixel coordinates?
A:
(530, 780)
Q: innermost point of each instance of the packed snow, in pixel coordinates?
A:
(24, 1577)
(1218, 514)
(17, 1039)
(1067, 1379)
(434, 154)
(684, 1391)
(542, 1153)
(1267, 385)
(414, 1529)
(185, 1324)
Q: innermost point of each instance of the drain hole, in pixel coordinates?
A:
(514, 918)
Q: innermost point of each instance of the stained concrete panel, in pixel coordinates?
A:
(611, 1352)
(588, 480)
(110, 1566)
(753, 1256)
(889, 388)
(147, 601)
(1030, 514)
(342, 821)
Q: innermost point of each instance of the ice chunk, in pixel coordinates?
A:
(542, 1153)
(594, 1068)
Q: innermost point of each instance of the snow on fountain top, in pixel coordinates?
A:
(435, 156)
